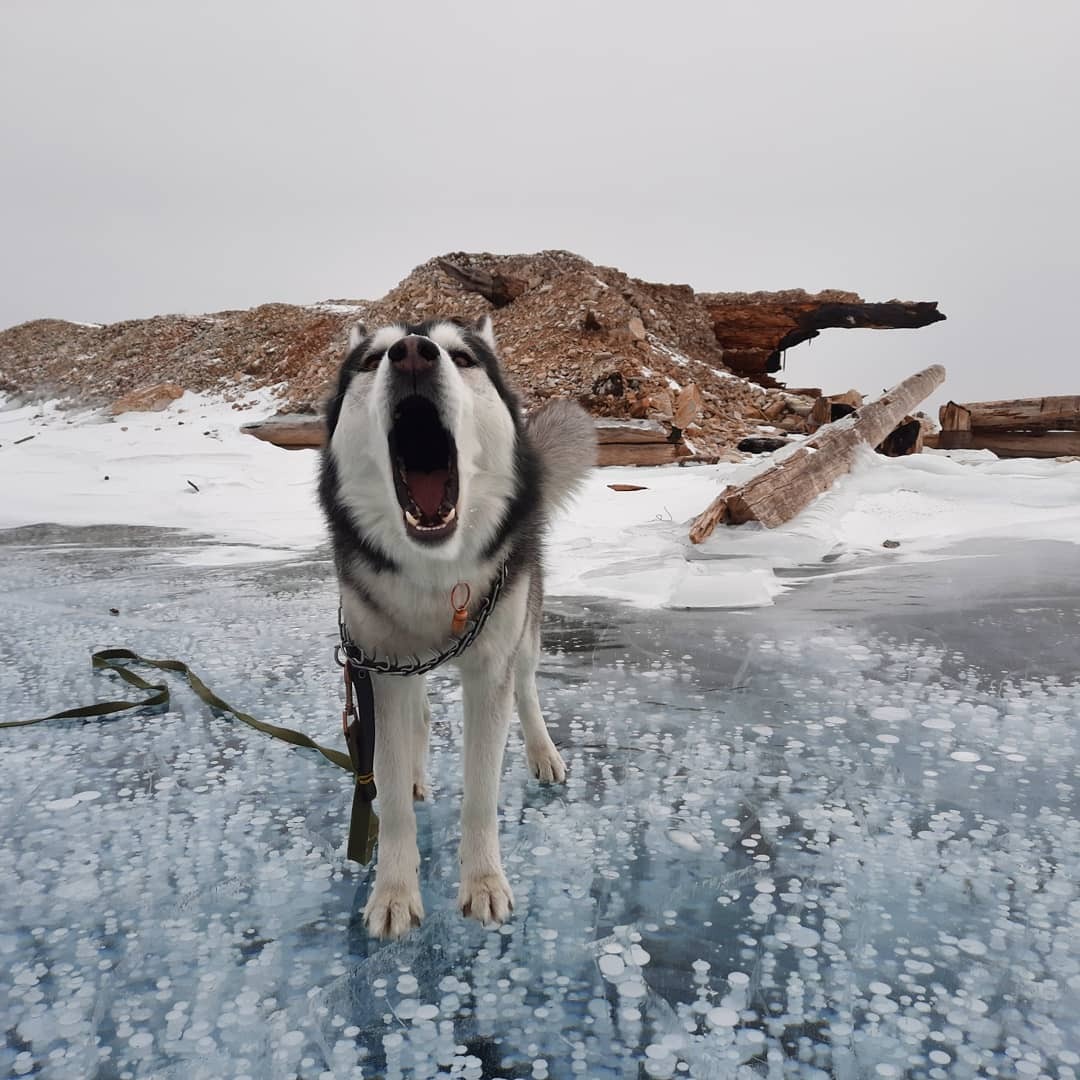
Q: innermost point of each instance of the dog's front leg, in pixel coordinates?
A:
(484, 893)
(394, 906)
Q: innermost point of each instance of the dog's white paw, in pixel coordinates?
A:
(486, 897)
(546, 763)
(393, 910)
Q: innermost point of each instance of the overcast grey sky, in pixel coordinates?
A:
(162, 156)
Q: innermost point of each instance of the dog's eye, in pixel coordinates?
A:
(462, 358)
(371, 361)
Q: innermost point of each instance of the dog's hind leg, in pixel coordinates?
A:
(394, 906)
(488, 699)
(545, 761)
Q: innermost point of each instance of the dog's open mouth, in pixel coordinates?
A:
(424, 460)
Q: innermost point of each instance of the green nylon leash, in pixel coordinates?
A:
(363, 826)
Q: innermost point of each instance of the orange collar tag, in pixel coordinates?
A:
(459, 601)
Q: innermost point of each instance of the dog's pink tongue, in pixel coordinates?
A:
(427, 490)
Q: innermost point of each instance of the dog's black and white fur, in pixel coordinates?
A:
(432, 478)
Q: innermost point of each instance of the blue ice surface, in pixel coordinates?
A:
(835, 839)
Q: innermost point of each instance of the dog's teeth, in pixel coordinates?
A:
(414, 522)
(450, 515)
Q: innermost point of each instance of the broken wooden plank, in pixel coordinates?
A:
(641, 453)
(1010, 444)
(610, 430)
(1021, 414)
(780, 492)
(906, 438)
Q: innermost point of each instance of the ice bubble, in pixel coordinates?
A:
(721, 1017)
(966, 756)
(61, 804)
(972, 947)
(611, 966)
(938, 723)
(407, 984)
(684, 840)
(889, 739)
(884, 989)
(799, 936)
(889, 713)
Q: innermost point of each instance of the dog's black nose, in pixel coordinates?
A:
(413, 355)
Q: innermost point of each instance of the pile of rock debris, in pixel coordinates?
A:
(627, 349)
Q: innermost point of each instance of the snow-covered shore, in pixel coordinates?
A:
(191, 468)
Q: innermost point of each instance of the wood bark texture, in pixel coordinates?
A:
(1010, 444)
(1022, 414)
(621, 442)
(782, 491)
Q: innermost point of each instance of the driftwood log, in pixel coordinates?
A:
(293, 431)
(755, 329)
(498, 289)
(1010, 444)
(1023, 414)
(782, 491)
(620, 442)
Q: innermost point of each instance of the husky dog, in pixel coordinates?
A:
(432, 482)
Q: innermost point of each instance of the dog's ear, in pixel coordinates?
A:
(357, 333)
(485, 331)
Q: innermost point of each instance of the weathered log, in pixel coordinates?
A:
(294, 431)
(498, 289)
(1010, 444)
(641, 453)
(621, 442)
(756, 328)
(630, 431)
(780, 492)
(1021, 414)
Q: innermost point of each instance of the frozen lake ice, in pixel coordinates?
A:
(835, 838)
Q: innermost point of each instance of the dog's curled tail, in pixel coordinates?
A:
(564, 437)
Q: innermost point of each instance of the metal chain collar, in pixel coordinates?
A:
(356, 657)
